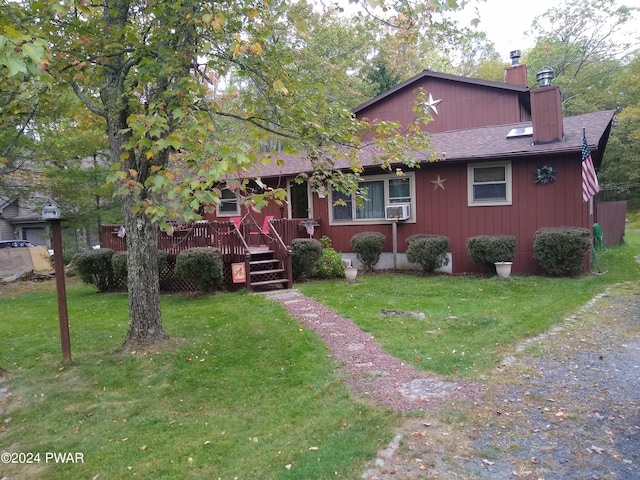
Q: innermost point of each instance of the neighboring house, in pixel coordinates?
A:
(509, 165)
(19, 221)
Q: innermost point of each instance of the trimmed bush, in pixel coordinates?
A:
(329, 265)
(368, 247)
(561, 250)
(119, 262)
(486, 250)
(202, 266)
(95, 268)
(304, 253)
(428, 251)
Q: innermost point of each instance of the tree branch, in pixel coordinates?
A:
(88, 103)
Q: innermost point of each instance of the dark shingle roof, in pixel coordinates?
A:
(482, 143)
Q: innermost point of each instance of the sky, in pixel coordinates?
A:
(506, 21)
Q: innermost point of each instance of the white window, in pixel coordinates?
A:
(381, 190)
(229, 206)
(489, 183)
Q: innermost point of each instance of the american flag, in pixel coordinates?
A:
(589, 179)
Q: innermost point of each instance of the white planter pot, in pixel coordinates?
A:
(350, 273)
(503, 269)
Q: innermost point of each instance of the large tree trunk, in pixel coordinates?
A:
(145, 320)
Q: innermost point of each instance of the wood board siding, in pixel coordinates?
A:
(445, 212)
(463, 106)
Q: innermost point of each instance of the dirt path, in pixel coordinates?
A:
(565, 405)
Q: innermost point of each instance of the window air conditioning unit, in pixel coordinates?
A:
(397, 212)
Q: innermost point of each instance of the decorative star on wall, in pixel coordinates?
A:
(431, 103)
(438, 183)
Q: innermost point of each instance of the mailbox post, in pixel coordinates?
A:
(51, 212)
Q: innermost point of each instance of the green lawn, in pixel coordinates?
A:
(241, 390)
(471, 322)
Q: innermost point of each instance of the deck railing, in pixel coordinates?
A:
(220, 234)
(235, 242)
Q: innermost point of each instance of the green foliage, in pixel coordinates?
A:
(368, 247)
(201, 265)
(561, 250)
(95, 268)
(329, 265)
(304, 253)
(119, 262)
(326, 242)
(488, 249)
(428, 251)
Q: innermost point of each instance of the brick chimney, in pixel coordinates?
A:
(546, 110)
(516, 74)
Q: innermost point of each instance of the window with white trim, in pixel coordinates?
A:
(381, 190)
(489, 184)
(229, 204)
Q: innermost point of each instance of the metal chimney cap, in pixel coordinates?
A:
(515, 57)
(544, 77)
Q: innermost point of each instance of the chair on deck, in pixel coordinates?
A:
(265, 226)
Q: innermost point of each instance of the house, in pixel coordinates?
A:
(509, 164)
(19, 221)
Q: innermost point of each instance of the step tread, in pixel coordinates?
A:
(269, 282)
(262, 262)
(264, 272)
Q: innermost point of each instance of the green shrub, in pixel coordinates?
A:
(119, 262)
(486, 250)
(203, 266)
(560, 250)
(428, 251)
(95, 268)
(326, 242)
(329, 265)
(304, 253)
(368, 247)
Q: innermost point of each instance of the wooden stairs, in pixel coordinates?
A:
(265, 270)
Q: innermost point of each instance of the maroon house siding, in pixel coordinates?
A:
(467, 105)
(445, 212)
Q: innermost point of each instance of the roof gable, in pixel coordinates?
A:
(427, 74)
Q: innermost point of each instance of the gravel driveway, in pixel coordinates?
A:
(565, 406)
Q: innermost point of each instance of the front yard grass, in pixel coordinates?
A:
(471, 322)
(241, 390)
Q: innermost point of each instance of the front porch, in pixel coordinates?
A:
(254, 256)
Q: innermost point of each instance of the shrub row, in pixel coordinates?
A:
(560, 251)
(106, 269)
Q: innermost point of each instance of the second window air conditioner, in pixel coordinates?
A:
(397, 212)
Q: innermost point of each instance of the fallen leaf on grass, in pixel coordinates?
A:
(143, 448)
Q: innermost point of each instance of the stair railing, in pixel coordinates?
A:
(282, 252)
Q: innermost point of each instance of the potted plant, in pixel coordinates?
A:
(495, 252)
(503, 269)
(350, 272)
